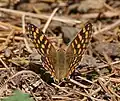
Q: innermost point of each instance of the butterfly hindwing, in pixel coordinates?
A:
(43, 46)
(77, 48)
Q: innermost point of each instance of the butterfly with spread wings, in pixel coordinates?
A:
(61, 63)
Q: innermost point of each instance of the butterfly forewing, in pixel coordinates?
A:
(77, 48)
(44, 47)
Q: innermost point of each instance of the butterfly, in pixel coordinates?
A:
(61, 63)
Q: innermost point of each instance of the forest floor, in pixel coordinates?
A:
(96, 77)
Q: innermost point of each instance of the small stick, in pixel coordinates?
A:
(8, 69)
(60, 88)
(42, 16)
(77, 83)
(49, 20)
(112, 26)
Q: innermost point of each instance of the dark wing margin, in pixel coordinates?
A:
(43, 46)
(77, 47)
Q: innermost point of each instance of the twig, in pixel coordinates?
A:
(23, 23)
(60, 88)
(115, 80)
(77, 83)
(10, 26)
(85, 79)
(30, 90)
(106, 89)
(27, 45)
(6, 41)
(102, 66)
(49, 20)
(42, 16)
(113, 63)
(8, 38)
(110, 27)
(2, 69)
(8, 69)
(111, 90)
(107, 14)
(62, 98)
(18, 73)
(109, 7)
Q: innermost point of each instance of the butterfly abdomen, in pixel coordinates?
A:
(60, 68)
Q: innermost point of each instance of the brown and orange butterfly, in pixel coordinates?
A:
(61, 63)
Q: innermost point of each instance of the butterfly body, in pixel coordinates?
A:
(61, 63)
(60, 66)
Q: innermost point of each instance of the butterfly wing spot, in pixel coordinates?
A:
(28, 28)
(84, 46)
(41, 37)
(37, 45)
(78, 45)
(86, 41)
(42, 51)
(86, 34)
(82, 41)
(74, 64)
(35, 35)
(53, 74)
(75, 59)
(34, 41)
(46, 67)
(47, 64)
(72, 45)
(47, 60)
(51, 67)
(84, 30)
(43, 46)
(75, 51)
(71, 70)
(45, 42)
(32, 29)
(37, 30)
(80, 37)
(38, 41)
(31, 33)
(49, 45)
(47, 51)
(88, 27)
(79, 51)
(76, 42)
